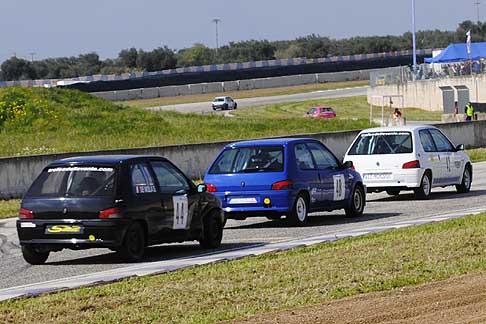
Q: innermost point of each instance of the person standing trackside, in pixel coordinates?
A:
(469, 111)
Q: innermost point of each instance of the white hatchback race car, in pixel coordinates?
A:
(415, 158)
(224, 103)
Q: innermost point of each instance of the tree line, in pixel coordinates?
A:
(162, 58)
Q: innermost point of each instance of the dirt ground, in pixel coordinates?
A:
(458, 300)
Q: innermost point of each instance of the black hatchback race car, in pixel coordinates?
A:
(123, 202)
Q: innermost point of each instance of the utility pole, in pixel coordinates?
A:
(413, 39)
(32, 56)
(477, 3)
(216, 21)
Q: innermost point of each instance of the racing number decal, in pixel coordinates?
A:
(339, 189)
(181, 211)
(448, 163)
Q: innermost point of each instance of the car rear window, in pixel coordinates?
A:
(249, 160)
(73, 181)
(218, 99)
(382, 143)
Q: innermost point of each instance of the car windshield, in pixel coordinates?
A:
(73, 181)
(249, 160)
(218, 99)
(382, 143)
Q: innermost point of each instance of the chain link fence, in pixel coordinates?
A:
(404, 74)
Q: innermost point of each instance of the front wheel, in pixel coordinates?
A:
(212, 232)
(236, 106)
(465, 185)
(33, 255)
(133, 246)
(425, 189)
(299, 214)
(357, 204)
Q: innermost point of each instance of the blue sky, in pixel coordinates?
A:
(54, 28)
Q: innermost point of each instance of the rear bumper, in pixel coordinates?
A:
(93, 233)
(403, 179)
(234, 204)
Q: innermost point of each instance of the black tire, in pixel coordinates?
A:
(393, 191)
(133, 246)
(236, 106)
(357, 202)
(466, 182)
(300, 211)
(212, 232)
(424, 191)
(214, 108)
(34, 256)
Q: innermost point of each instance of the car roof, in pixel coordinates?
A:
(397, 129)
(271, 141)
(101, 159)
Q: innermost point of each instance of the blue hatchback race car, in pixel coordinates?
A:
(285, 176)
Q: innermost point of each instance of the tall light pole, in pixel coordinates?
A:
(477, 3)
(216, 21)
(413, 38)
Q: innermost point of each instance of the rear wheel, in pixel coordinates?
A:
(33, 255)
(236, 105)
(356, 206)
(133, 246)
(299, 214)
(465, 185)
(424, 191)
(212, 233)
(393, 191)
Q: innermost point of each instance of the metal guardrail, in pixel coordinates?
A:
(215, 67)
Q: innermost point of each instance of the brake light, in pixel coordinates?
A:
(411, 165)
(282, 185)
(26, 214)
(111, 213)
(211, 187)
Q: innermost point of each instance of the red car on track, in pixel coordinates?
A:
(321, 112)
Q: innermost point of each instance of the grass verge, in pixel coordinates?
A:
(164, 101)
(9, 208)
(284, 280)
(477, 155)
(346, 108)
(70, 121)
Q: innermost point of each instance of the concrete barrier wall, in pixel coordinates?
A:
(107, 95)
(17, 173)
(217, 87)
(426, 94)
(149, 93)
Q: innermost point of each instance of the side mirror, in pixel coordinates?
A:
(460, 147)
(202, 188)
(348, 165)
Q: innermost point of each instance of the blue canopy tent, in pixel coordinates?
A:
(458, 53)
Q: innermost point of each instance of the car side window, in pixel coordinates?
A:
(304, 157)
(142, 180)
(427, 141)
(442, 143)
(170, 179)
(324, 159)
